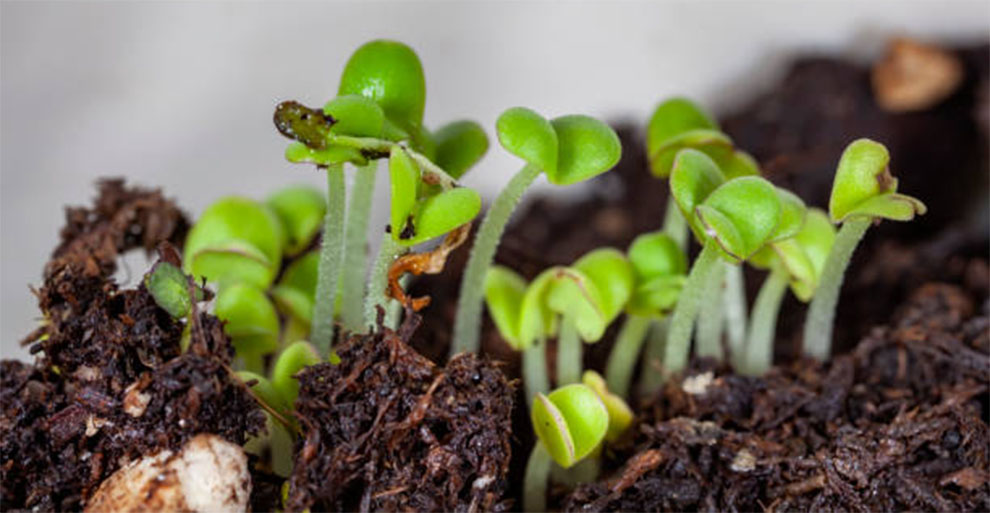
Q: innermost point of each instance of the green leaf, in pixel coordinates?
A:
(355, 115)
(437, 215)
(246, 228)
(296, 291)
(571, 421)
(232, 261)
(739, 163)
(587, 148)
(404, 180)
(297, 152)
(658, 296)
(804, 256)
(169, 287)
(391, 74)
(665, 133)
(612, 275)
(300, 209)
(504, 292)
(694, 177)
(656, 254)
(529, 136)
(249, 319)
(460, 145)
(620, 415)
(792, 214)
(741, 215)
(863, 186)
(537, 320)
(573, 295)
(290, 361)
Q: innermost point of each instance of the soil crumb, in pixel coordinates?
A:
(387, 430)
(110, 382)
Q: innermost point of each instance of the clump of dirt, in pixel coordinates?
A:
(111, 382)
(387, 430)
(898, 424)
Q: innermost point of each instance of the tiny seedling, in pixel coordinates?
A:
(568, 149)
(659, 267)
(798, 261)
(732, 219)
(863, 192)
(378, 114)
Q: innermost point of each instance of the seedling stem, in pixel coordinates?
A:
(321, 332)
(692, 295)
(758, 356)
(619, 370)
(356, 235)
(569, 352)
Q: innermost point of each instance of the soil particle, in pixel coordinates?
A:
(110, 383)
(898, 424)
(387, 430)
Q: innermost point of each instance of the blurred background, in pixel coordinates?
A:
(180, 95)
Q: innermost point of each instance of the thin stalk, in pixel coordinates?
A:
(758, 356)
(467, 324)
(619, 370)
(682, 320)
(378, 282)
(328, 270)
(534, 370)
(568, 354)
(651, 375)
(708, 341)
(355, 248)
(675, 225)
(735, 309)
(821, 313)
(535, 479)
(393, 314)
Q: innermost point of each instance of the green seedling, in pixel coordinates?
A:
(732, 219)
(659, 268)
(797, 261)
(377, 114)
(570, 423)
(250, 321)
(236, 240)
(863, 192)
(568, 149)
(620, 415)
(169, 287)
(294, 296)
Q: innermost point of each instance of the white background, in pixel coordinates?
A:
(180, 95)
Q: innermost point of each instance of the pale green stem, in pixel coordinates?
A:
(708, 341)
(352, 276)
(735, 309)
(328, 270)
(821, 314)
(467, 324)
(682, 320)
(651, 375)
(568, 354)
(378, 282)
(534, 370)
(675, 225)
(535, 480)
(758, 356)
(393, 314)
(584, 471)
(619, 370)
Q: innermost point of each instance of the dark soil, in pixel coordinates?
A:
(110, 384)
(898, 424)
(797, 131)
(387, 430)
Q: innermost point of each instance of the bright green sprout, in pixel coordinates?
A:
(732, 219)
(863, 192)
(236, 240)
(169, 286)
(659, 268)
(378, 114)
(620, 415)
(250, 321)
(797, 261)
(301, 210)
(294, 295)
(568, 149)
(291, 360)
